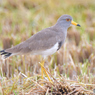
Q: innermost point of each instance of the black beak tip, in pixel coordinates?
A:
(78, 25)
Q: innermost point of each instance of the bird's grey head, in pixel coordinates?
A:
(66, 21)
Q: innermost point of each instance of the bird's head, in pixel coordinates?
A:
(66, 21)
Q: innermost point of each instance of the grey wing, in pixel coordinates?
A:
(43, 40)
(21, 48)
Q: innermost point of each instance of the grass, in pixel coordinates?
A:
(72, 67)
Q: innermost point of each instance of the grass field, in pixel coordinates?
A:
(72, 68)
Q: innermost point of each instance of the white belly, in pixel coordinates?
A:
(48, 51)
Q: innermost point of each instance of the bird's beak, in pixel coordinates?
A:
(74, 23)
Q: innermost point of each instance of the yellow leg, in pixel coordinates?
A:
(43, 69)
(42, 64)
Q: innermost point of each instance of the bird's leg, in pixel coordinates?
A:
(42, 64)
(43, 69)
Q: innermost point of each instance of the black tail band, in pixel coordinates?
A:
(6, 54)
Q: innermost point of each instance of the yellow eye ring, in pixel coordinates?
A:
(68, 19)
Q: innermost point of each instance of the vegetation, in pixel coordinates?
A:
(72, 67)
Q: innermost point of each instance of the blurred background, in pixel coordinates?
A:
(20, 19)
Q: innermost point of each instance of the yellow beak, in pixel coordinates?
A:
(74, 23)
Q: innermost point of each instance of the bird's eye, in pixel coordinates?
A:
(68, 19)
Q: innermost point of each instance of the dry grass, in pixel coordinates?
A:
(72, 67)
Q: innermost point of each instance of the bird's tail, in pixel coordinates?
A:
(5, 54)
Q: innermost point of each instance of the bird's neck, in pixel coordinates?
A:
(60, 26)
(61, 30)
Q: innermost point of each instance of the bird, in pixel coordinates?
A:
(45, 42)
